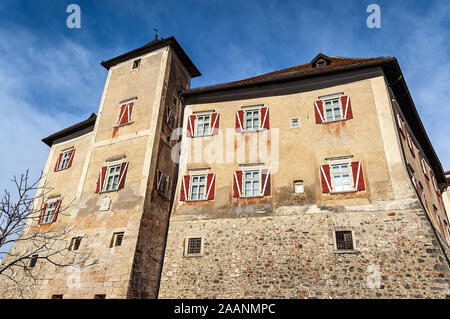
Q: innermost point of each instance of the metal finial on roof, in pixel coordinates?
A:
(156, 33)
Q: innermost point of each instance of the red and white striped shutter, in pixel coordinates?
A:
(158, 177)
(265, 182)
(210, 186)
(130, 111)
(239, 121)
(346, 107)
(416, 186)
(358, 177)
(185, 188)
(41, 217)
(123, 175)
(435, 185)
(57, 207)
(422, 164)
(318, 109)
(101, 179)
(401, 125)
(214, 123)
(190, 126)
(123, 114)
(410, 144)
(72, 152)
(326, 180)
(265, 118)
(237, 184)
(168, 112)
(57, 162)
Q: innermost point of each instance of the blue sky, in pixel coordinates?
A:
(51, 77)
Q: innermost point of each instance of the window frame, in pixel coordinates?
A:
(107, 175)
(73, 243)
(299, 183)
(33, 261)
(115, 235)
(293, 119)
(324, 100)
(196, 125)
(345, 250)
(245, 128)
(332, 176)
(259, 170)
(186, 246)
(191, 184)
(138, 61)
(130, 119)
(63, 158)
(46, 212)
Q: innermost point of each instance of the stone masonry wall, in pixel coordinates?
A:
(290, 253)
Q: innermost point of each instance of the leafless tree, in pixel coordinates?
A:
(20, 212)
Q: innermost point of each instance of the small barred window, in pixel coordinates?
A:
(344, 240)
(194, 246)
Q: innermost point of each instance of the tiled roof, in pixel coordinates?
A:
(337, 63)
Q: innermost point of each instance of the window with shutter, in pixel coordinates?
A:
(50, 212)
(64, 160)
(334, 108)
(161, 182)
(126, 112)
(252, 119)
(112, 177)
(252, 183)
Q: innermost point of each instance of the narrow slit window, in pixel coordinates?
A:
(136, 63)
(75, 243)
(117, 239)
(33, 261)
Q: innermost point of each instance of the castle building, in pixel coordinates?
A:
(316, 181)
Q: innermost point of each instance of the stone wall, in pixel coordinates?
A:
(290, 253)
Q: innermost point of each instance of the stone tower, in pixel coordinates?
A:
(116, 170)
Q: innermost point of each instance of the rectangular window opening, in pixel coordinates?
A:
(298, 187)
(117, 239)
(75, 243)
(33, 261)
(198, 187)
(203, 126)
(344, 240)
(341, 177)
(251, 181)
(100, 296)
(112, 177)
(57, 296)
(136, 63)
(194, 246)
(332, 109)
(252, 120)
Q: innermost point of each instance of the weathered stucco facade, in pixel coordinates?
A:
(276, 243)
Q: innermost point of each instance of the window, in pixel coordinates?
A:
(57, 296)
(203, 125)
(33, 261)
(136, 63)
(344, 240)
(117, 239)
(162, 182)
(50, 212)
(341, 177)
(298, 187)
(75, 243)
(321, 63)
(64, 160)
(100, 296)
(198, 187)
(251, 183)
(112, 177)
(126, 112)
(295, 122)
(251, 120)
(332, 109)
(194, 246)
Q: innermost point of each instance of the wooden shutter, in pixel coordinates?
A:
(410, 144)
(190, 126)
(416, 185)
(358, 178)
(158, 178)
(239, 121)
(435, 185)
(185, 188)
(326, 180)
(168, 113)
(57, 207)
(57, 162)
(72, 152)
(123, 175)
(41, 217)
(401, 125)
(422, 164)
(210, 185)
(123, 114)
(346, 107)
(265, 182)
(265, 118)
(237, 184)
(318, 109)
(101, 179)
(215, 124)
